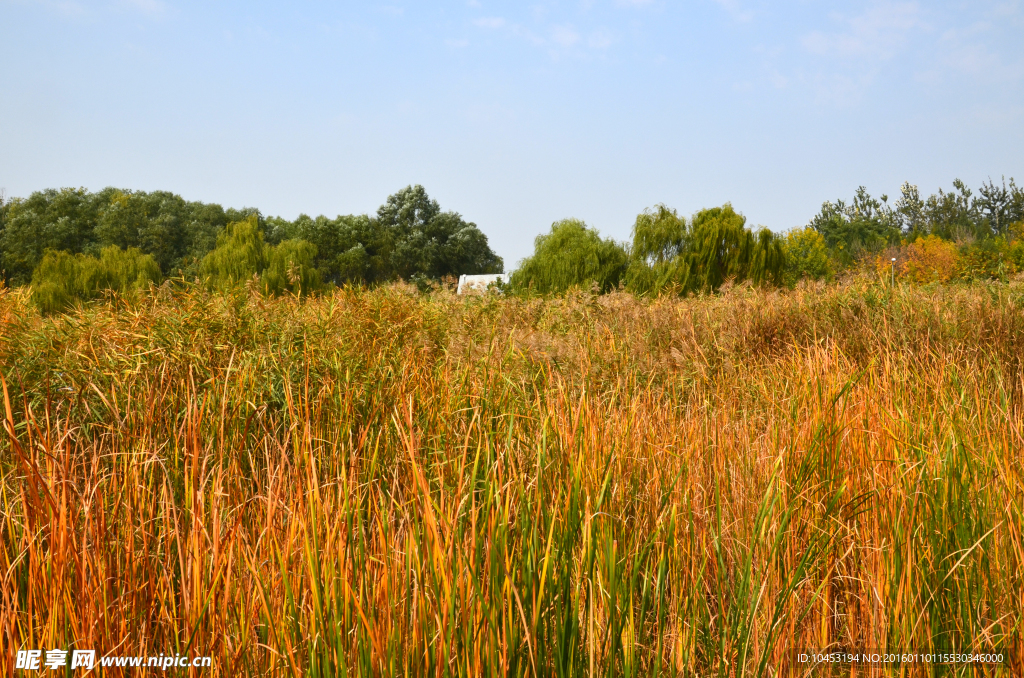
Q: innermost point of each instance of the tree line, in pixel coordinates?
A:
(668, 252)
(948, 235)
(71, 244)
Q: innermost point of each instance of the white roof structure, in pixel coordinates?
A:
(479, 283)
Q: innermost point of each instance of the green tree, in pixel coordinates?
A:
(910, 210)
(290, 267)
(1000, 206)
(410, 237)
(864, 225)
(571, 255)
(62, 278)
(151, 222)
(200, 227)
(721, 248)
(806, 256)
(716, 246)
(767, 259)
(659, 239)
(424, 242)
(62, 219)
(242, 255)
(953, 215)
(177, 233)
(449, 246)
(350, 249)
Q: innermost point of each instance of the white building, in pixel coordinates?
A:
(479, 283)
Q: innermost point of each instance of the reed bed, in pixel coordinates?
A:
(384, 483)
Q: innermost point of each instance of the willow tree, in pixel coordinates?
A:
(571, 255)
(290, 267)
(716, 246)
(659, 239)
(242, 255)
(63, 278)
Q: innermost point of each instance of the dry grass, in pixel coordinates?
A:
(383, 483)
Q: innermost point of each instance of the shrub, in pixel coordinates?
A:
(806, 254)
(62, 278)
(929, 259)
(986, 259)
(1015, 250)
(571, 255)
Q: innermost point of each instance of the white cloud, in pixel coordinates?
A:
(152, 7)
(600, 39)
(878, 33)
(969, 51)
(842, 90)
(565, 36)
(67, 8)
(559, 39)
(527, 35)
(861, 43)
(736, 11)
(1006, 10)
(973, 60)
(490, 22)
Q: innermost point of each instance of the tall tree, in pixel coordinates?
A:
(242, 255)
(175, 232)
(806, 256)
(151, 222)
(716, 246)
(660, 237)
(410, 237)
(424, 242)
(910, 211)
(865, 224)
(571, 255)
(62, 279)
(722, 248)
(1000, 206)
(953, 215)
(290, 267)
(53, 219)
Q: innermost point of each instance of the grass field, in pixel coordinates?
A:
(387, 483)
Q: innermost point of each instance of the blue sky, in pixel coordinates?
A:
(514, 114)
